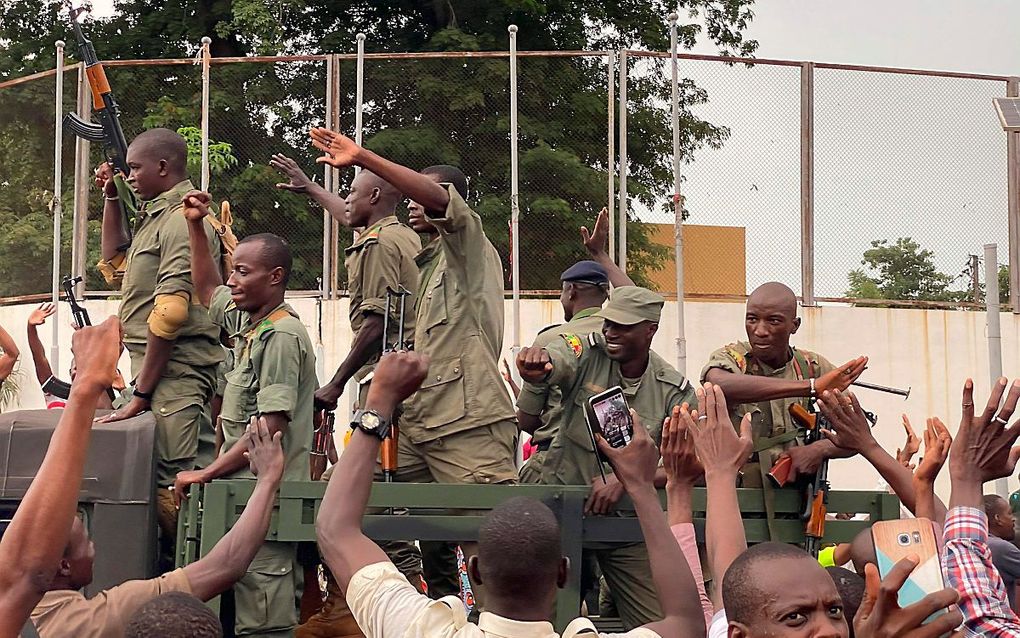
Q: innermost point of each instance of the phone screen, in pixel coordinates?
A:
(613, 415)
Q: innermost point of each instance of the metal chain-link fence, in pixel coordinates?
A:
(909, 168)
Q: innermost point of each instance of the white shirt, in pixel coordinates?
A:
(385, 605)
(720, 625)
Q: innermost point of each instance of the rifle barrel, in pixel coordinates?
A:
(883, 388)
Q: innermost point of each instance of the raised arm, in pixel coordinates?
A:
(10, 355)
(748, 388)
(205, 272)
(345, 548)
(115, 237)
(38, 534)
(937, 441)
(635, 465)
(341, 151)
(228, 560)
(300, 183)
(722, 453)
(43, 372)
(596, 242)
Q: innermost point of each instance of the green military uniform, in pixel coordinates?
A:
(382, 257)
(772, 426)
(582, 323)
(582, 369)
(274, 371)
(158, 262)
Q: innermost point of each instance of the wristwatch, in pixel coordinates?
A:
(371, 422)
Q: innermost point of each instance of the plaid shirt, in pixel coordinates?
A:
(968, 564)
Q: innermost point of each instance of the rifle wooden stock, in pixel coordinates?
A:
(780, 472)
(803, 418)
(389, 454)
(816, 521)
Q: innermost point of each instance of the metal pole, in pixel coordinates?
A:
(58, 144)
(359, 94)
(327, 183)
(622, 253)
(975, 278)
(206, 41)
(1013, 187)
(678, 202)
(807, 183)
(515, 209)
(611, 161)
(994, 332)
(80, 217)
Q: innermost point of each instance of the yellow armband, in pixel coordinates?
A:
(827, 557)
(169, 314)
(113, 270)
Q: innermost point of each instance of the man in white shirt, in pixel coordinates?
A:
(519, 555)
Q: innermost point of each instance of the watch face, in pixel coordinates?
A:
(370, 421)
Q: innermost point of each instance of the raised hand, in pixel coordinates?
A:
(504, 371)
(96, 350)
(719, 448)
(841, 378)
(299, 182)
(104, 180)
(39, 315)
(196, 205)
(265, 453)
(397, 376)
(534, 364)
(851, 430)
(983, 449)
(596, 241)
(910, 446)
(340, 151)
(937, 441)
(679, 457)
(880, 615)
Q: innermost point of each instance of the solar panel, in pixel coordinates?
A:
(1009, 113)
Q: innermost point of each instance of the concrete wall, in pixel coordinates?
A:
(932, 351)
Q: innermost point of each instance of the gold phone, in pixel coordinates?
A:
(898, 539)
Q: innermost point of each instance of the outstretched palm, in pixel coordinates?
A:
(340, 151)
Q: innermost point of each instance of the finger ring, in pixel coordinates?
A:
(1000, 420)
(702, 417)
(968, 405)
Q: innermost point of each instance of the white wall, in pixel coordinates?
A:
(931, 351)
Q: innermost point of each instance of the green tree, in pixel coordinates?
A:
(417, 112)
(903, 271)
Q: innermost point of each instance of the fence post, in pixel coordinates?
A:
(359, 95)
(1013, 181)
(678, 201)
(515, 209)
(206, 41)
(807, 183)
(325, 287)
(611, 143)
(80, 215)
(993, 331)
(58, 147)
(622, 238)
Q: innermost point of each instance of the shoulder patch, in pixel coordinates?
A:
(737, 356)
(574, 343)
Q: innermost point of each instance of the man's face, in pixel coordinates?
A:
(80, 555)
(800, 601)
(148, 175)
(626, 343)
(1003, 523)
(769, 327)
(416, 219)
(567, 301)
(251, 283)
(360, 200)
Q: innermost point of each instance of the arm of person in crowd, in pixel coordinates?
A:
(905, 454)
(880, 614)
(504, 370)
(228, 560)
(37, 536)
(596, 242)
(10, 355)
(341, 151)
(751, 388)
(682, 467)
(982, 451)
(937, 442)
(722, 453)
(115, 238)
(43, 371)
(852, 432)
(300, 183)
(345, 548)
(635, 464)
(205, 272)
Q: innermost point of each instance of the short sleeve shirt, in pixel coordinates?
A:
(69, 613)
(384, 604)
(274, 371)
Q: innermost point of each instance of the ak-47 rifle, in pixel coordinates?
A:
(108, 132)
(389, 444)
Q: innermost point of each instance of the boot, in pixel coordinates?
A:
(334, 620)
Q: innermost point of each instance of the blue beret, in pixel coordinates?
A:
(589, 272)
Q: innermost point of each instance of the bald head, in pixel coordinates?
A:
(163, 144)
(370, 199)
(770, 319)
(774, 294)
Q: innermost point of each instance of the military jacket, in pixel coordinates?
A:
(382, 257)
(581, 369)
(158, 262)
(769, 419)
(582, 323)
(460, 327)
(274, 371)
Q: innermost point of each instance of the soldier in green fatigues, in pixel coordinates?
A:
(459, 427)
(765, 375)
(585, 289)
(582, 366)
(273, 377)
(173, 345)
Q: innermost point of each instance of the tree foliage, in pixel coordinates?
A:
(416, 112)
(902, 270)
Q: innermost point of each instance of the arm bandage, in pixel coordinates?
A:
(169, 314)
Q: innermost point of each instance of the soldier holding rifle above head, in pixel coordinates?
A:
(765, 375)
